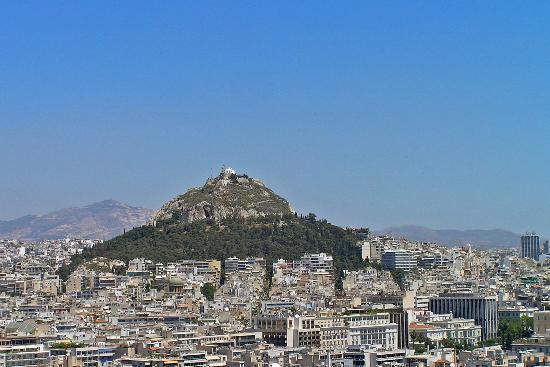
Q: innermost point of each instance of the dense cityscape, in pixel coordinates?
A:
(413, 304)
(387, 204)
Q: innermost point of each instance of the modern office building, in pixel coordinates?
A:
(399, 259)
(469, 306)
(433, 260)
(530, 246)
(546, 247)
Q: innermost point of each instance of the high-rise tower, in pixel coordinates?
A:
(530, 246)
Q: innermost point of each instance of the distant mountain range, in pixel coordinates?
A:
(480, 238)
(102, 220)
(107, 219)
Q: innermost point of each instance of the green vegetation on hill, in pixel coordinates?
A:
(271, 237)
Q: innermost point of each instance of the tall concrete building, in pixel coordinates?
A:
(469, 306)
(370, 249)
(546, 247)
(530, 246)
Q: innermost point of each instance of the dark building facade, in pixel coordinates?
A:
(530, 246)
(469, 306)
(401, 318)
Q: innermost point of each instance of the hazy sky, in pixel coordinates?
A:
(433, 113)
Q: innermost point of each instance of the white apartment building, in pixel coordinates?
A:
(372, 329)
(334, 332)
(24, 355)
(287, 272)
(437, 327)
(317, 263)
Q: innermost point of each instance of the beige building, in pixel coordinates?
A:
(541, 321)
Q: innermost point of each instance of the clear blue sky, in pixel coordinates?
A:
(433, 113)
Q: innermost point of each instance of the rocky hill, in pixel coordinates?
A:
(227, 195)
(101, 220)
(230, 215)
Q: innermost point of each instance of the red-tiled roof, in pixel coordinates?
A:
(415, 325)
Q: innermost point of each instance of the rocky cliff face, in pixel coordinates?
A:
(224, 196)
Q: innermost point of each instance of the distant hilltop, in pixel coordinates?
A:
(227, 195)
(480, 238)
(102, 220)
